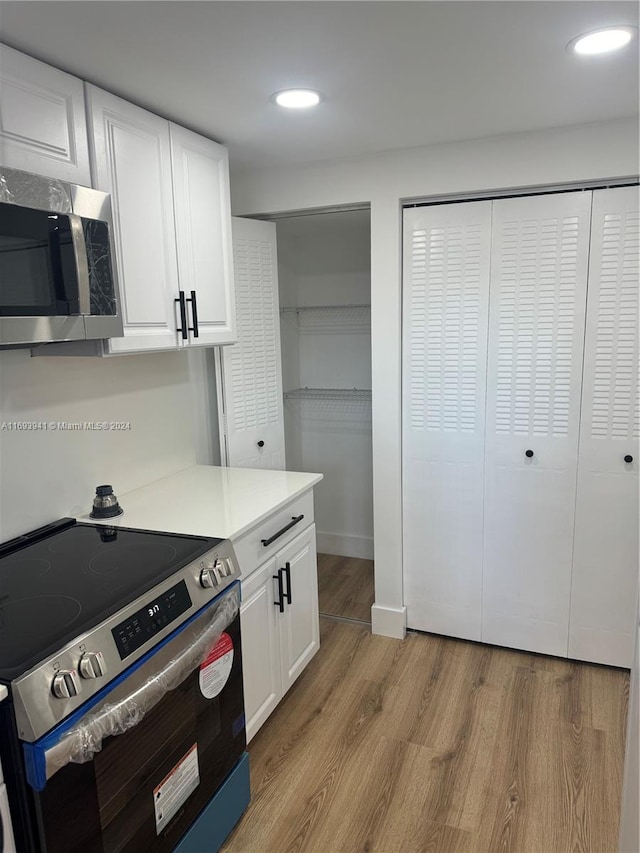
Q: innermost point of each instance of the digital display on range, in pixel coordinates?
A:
(150, 619)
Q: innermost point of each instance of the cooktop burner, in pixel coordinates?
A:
(63, 580)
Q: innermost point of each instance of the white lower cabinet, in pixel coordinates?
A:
(280, 626)
(260, 647)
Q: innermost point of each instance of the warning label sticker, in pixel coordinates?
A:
(216, 668)
(175, 788)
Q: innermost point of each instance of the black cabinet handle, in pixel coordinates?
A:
(287, 571)
(528, 453)
(194, 314)
(280, 602)
(183, 315)
(292, 523)
(261, 443)
(628, 458)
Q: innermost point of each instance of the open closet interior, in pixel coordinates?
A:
(324, 274)
(294, 392)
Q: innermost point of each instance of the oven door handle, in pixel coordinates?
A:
(80, 740)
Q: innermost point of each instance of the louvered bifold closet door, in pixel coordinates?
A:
(445, 316)
(252, 368)
(539, 259)
(605, 564)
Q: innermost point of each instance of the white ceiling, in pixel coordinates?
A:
(395, 74)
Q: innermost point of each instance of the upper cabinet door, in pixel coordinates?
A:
(605, 568)
(131, 159)
(42, 119)
(539, 260)
(203, 235)
(445, 317)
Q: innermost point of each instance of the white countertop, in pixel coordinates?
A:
(209, 501)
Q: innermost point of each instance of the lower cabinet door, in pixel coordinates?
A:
(299, 624)
(260, 647)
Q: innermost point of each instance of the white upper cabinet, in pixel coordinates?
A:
(605, 568)
(203, 235)
(172, 223)
(539, 261)
(42, 119)
(131, 159)
(445, 311)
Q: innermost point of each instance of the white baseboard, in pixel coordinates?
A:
(389, 621)
(344, 545)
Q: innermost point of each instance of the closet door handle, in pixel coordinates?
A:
(287, 571)
(183, 315)
(292, 523)
(528, 453)
(280, 602)
(194, 314)
(628, 459)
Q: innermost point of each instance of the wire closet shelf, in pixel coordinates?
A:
(347, 394)
(330, 317)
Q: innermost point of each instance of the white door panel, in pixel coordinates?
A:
(131, 159)
(605, 570)
(253, 422)
(42, 124)
(539, 262)
(446, 300)
(203, 234)
(299, 629)
(260, 648)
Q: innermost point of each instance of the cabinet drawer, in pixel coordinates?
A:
(249, 549)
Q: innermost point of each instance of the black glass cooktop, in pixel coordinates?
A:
(62, 580)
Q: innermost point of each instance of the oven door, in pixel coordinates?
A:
(158, 744)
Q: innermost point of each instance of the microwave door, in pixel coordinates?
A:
(39, 287)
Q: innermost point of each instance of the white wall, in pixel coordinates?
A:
(47, 474)
(325, 260)
(581, 153)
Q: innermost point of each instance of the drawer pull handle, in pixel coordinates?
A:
(628, 459)
(280, 602)
(287, 571)
(292, 523)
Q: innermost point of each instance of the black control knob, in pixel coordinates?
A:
(528, 453)
(261, 443)
(628, 458)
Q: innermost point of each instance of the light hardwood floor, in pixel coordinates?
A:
(345, 586)
(434, 744)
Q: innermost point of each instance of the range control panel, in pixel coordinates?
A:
(151, 619)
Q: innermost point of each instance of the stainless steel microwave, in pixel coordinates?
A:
(57, 276)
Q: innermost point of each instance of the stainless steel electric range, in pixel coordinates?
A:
(124, 727)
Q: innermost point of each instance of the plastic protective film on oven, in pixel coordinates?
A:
(80, 736)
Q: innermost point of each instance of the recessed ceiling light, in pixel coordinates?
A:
(602, 41)
(297, 99)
